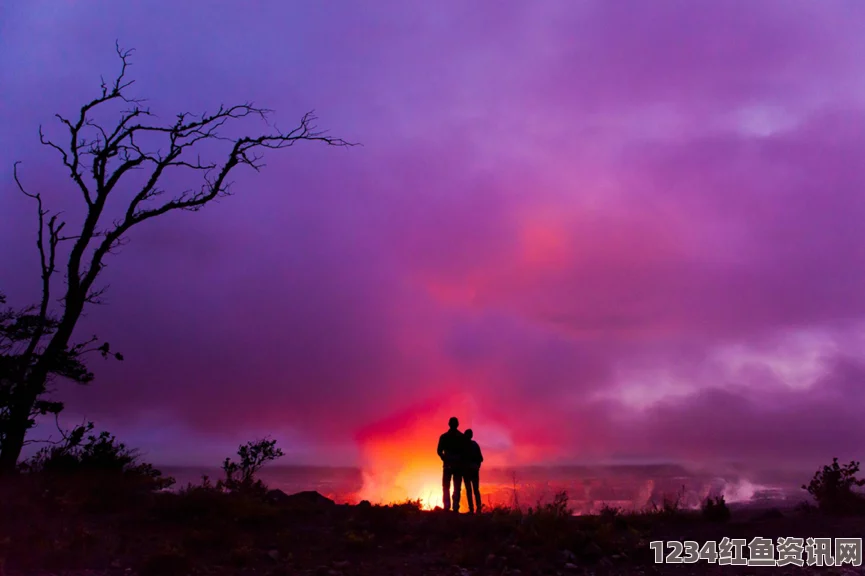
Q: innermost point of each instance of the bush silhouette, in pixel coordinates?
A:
(832, 488)
(715, 509)
(240, 476)
(670, 506)
(96, 455)
(609, 512)
(558, 508)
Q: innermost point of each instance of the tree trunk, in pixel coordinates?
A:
(32, 387)
(13, 442)
(12, 445)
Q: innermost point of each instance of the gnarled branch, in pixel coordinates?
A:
(98, 158)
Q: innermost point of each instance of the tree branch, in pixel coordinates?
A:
(46, 263)
(98, 158)
(186, 132)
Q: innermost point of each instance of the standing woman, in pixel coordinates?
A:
(471, 477)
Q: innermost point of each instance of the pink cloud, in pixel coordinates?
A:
(561, 211)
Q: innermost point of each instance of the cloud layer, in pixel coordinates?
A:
(622, 230)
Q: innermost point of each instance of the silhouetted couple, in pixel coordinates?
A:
(461, 458)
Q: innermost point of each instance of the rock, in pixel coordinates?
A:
(592, 549)
(306, 499)
(496, 562)
(342, 564)
(571, 566)
(115, 564)
(276, 496)
(568, 556)
(274, 555)
(334, 573)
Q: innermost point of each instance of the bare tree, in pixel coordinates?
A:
(99, 159)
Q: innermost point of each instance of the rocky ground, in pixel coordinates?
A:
(90, 528)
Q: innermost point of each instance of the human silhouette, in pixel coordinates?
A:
(451, 449)
(471, 472)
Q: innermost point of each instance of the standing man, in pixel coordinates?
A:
(451, 450)
(472, 471)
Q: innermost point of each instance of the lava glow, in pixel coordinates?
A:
(399, 455)
(415, 480)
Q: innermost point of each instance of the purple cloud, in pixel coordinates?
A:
(623, 229)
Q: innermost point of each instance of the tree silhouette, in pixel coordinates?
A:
(253, 456)
(18, 330)
(99, 159)
(833, 487)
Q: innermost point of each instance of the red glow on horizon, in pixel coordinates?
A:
(398, 454)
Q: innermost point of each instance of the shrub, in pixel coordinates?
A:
(669, 506)
(832, 488)
(544, 524)
(240, 476)
(503, 515)
(715, 509)
(96, 455)
(558, 508)
(214, 508)
(409, 505)
(238, 496)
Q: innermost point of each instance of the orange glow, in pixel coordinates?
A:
(399, 455)
(412, 481)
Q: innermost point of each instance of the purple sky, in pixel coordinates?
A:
(620, 229)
